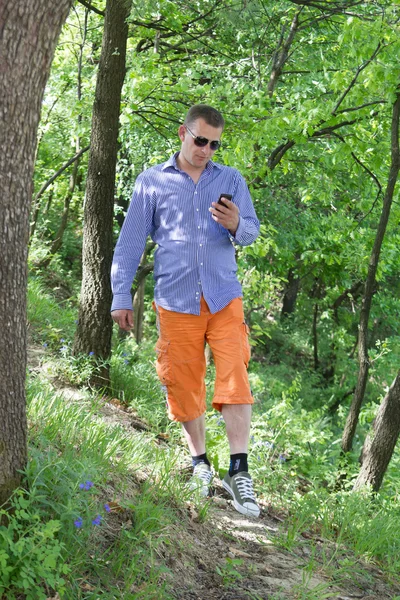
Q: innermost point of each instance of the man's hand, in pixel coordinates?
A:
(124, 318)
(227, 216)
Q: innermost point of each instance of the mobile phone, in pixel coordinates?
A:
(227, 196)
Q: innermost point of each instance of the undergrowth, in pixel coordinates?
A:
(97, 501)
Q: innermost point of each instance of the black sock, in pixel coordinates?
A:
(202, 458)
(238, 464)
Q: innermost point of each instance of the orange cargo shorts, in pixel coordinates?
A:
(181, 364)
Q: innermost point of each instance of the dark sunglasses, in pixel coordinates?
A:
(201, 141)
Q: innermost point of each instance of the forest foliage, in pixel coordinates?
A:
(308, 90)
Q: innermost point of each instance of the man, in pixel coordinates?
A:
(198, 298)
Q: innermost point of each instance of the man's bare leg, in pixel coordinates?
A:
(195, 434)
(237, 419)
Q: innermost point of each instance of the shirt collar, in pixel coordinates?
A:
(171, 162)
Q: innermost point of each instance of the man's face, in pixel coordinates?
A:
(194, 155)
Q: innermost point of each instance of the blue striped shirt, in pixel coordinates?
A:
(195, 255)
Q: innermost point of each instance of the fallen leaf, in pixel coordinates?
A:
(115, 507)
(117, 403)
(237, 552)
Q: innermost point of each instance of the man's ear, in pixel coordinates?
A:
(181, 132)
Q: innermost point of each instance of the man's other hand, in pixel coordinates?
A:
(124, 318)
(227, 216)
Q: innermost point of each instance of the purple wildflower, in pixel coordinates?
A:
(282, 458)
(97, 520)
(107, 508)
(78, 523)
(45, 345)
(86, 486)
(91, 353)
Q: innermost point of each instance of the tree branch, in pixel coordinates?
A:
(370, 173)
(92, 8)
(277, 154)
(281, 56)
(353, 81)
(58, 173)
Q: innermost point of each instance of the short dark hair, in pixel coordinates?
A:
(211, 115)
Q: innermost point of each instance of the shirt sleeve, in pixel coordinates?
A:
(131, 244)
(249, 225)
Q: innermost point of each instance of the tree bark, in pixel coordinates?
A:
(138, 292)
(95, 325)
(352, 419)
(281, 55)
(58, 238)
(29, 30)
(315, 337)
(380, 444)
(354, 291)
(290, 295)
(138, 311)
(47, 184)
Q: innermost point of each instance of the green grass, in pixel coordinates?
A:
(51, 321)
(293, 456)
(43, 548)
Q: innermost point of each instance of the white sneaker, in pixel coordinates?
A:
(201, 479)
(240, 487)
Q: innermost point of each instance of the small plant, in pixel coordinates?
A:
(30, 551)
(229, 572)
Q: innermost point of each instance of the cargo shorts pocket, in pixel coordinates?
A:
(163, 363)
(246, 350)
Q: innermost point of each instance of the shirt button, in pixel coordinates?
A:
(201, 264)
(201, 245)
(198, 226)
(197, 209)
(195, 192)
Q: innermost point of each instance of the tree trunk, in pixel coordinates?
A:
(281, 54)
(290, 296)
(138, 311)
(138, 290)
(29, 31)
(95, 325)
(58, 238)
(315, 337)
(380, 444)
(352, 419)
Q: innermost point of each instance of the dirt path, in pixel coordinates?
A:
(231, 557)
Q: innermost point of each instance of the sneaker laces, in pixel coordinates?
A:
(245, 488)
(201, 473)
